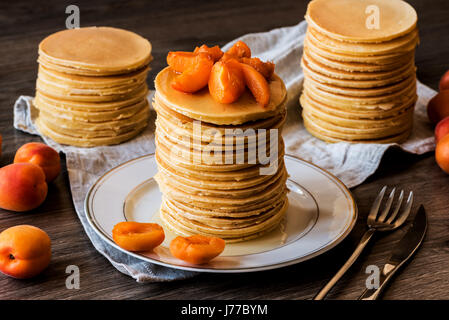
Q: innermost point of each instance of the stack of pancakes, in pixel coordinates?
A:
(207, 188)
(91, 87)
(360, 80)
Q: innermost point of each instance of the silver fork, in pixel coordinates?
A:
(385, 221)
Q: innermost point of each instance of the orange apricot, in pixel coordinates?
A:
(25, 251)
(264, 68)
(441, 129)
(214, 52)
(442, 153)
(42, 155)
(196, 249)
(136, 236)
(22, 187)
(257, 84)
(226, 82)
(444, 81)
(196, 76)
(240, 50)
(438, 106)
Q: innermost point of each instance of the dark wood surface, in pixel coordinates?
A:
(180, 25)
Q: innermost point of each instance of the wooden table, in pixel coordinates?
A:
(181, 25)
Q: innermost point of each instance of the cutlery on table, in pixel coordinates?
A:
(405, 249)
(387, 220)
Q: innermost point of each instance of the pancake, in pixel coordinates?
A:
(96, 49)
(373, 113)
(84, 106)
(84, 116)
(357, 83)
(89, 82)
(385, 59)
(383, 102)
(336, 73)
(400, 45)
(201, 106)
(241, 234)
(86, 142)
(345, 20)
(368, 92)
(345, 133)
(349, 66)
(329, 137)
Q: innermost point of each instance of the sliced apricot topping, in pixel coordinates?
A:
(226, 82)
(256, 83)
(240, 50)
(179, 61)
(196, 76)
(214, 52)
(136, 236)
(196, 249)
(264, 68)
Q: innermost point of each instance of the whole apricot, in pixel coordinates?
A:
(442, 153)
(438, 107)
(42, 155)
(441, 129)
(22, 187)
(444, 82)
(25, 251)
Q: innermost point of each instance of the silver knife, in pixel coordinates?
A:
(405, 249)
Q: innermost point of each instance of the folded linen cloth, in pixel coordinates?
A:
(352, 163)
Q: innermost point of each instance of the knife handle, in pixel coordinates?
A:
(387, 273)
(362, 244)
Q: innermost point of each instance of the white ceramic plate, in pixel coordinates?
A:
(321, 214)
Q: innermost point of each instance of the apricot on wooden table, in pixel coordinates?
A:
(257, 84)
(264, 68)
(226, 82)
(438, 106)
(42, 155)
(197, 249)
(22, 187)
(196, 76)
(441, 129)
(240, 50)
(444, 81)
(25, 251)
(442, 153)
(136, 236)
(214, 52)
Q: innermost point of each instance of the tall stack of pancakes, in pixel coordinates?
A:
(359, 70)
(91, 87)
(207, 188)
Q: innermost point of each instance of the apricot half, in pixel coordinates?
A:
(264, 68)
(257, 84)
(197, 249)
(196, 76)
(25, 251)
(226, 82)
(136, 236)
(214, 52)
(239, 50)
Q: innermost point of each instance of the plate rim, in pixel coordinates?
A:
(314, 254)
